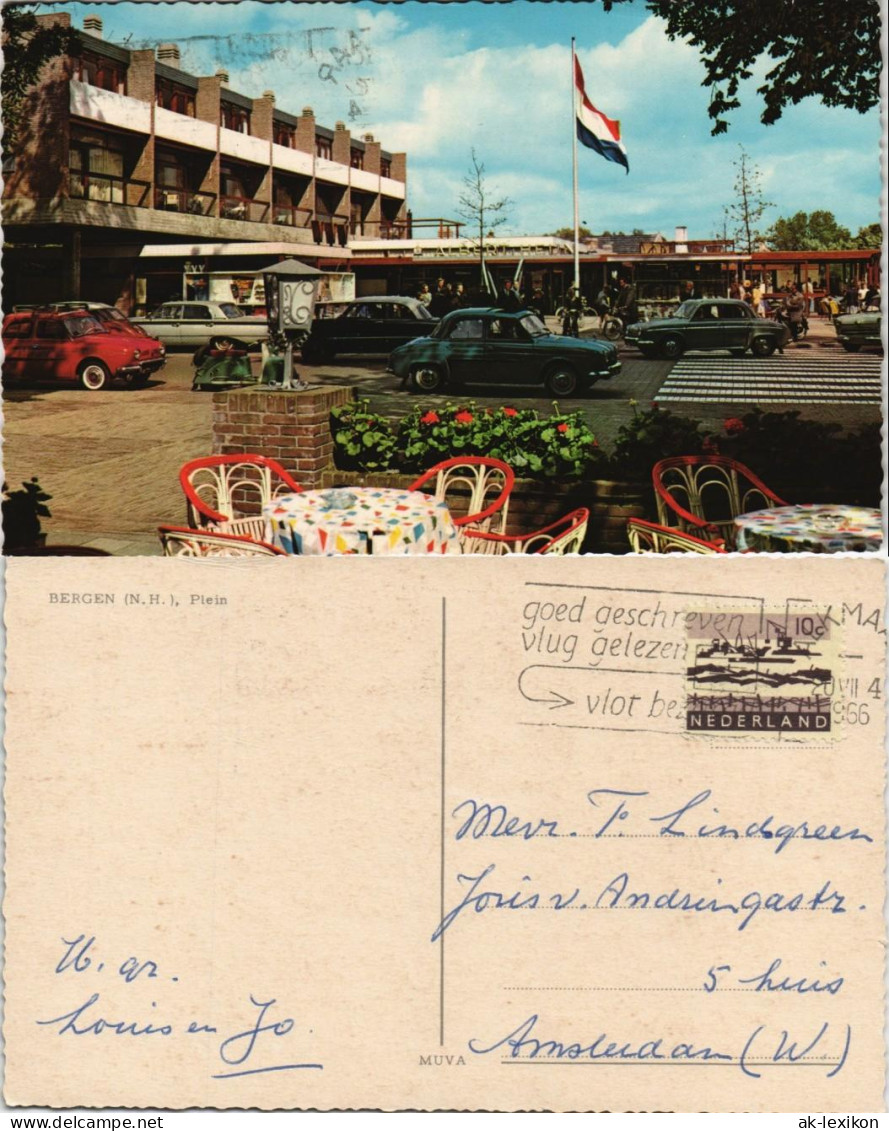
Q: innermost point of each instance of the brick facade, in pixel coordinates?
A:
(292, 428)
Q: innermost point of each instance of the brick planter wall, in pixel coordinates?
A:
(292, 428)
(534, 504)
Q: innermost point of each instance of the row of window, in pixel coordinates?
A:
(109, 75)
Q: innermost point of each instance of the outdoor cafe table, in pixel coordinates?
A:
(817, 528)
(361, 520)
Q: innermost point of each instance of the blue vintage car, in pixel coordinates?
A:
(486, 346)
(708, 324)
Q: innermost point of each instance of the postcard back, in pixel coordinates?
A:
(586, 834)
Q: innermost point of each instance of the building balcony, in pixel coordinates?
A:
(183, 200)
(388, 187)
(244, 147)
(109, 108)
(290, 216)
(293, 161)
(244, 208)
(183, 129)
(109, 189)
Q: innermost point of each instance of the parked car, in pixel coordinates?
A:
(857, 330)
(191, 324)
(110, 317)
(708, 324)
(74, 345)
(489, 346)
(368, 325)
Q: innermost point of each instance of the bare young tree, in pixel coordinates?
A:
(749, 207)
(480, 210)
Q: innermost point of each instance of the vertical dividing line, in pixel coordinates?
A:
(441, 941)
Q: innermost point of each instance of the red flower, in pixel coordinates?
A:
(430, 418)
(734, 425)
(510, 412)
(464, 417)
(563, 427)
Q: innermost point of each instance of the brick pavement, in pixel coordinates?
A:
(111, 459)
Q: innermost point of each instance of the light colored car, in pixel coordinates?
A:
(190, 324)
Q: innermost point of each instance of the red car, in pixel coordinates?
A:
(74, 345)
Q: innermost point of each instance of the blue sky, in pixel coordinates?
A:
(438, 79)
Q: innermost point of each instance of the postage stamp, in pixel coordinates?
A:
(766, 673)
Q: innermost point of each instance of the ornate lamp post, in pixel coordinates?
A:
(290, 291)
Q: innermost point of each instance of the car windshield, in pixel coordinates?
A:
(684, 310)
(533, 325)
(229, 310)
(85, 324)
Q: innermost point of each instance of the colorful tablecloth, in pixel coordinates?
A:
(361, 520)
(815, 528)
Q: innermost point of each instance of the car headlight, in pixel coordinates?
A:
(162, 350)
(137, 354)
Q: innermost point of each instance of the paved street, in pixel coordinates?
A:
(110, 459)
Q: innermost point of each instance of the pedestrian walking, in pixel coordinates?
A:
(850, 298)
(572, 312)
(424, 295)
(795, 305)
(510, 299)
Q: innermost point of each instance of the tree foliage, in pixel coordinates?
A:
(823, 48)
(27, 47)
(871, 235)
(816, 231)
(484, 214)
(745, 213)
(568, 233)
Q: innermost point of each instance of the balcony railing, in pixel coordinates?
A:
(108, 189)
(243, 208)
(183, 200)
(291, 216)
(331, 229)
(431, 228)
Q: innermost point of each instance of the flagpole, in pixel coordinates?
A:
(574, 169)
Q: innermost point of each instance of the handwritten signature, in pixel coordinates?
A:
(91, 1017)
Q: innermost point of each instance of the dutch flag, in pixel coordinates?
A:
(593, 129)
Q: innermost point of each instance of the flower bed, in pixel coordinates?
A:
(559, 464)
(560, 446)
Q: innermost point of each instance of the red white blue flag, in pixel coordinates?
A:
(593, 129)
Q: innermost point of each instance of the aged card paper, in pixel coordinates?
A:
(573, 834)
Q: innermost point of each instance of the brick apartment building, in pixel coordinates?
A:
(121, 150)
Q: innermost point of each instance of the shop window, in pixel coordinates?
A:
(323, 147)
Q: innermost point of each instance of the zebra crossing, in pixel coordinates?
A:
(780, 379)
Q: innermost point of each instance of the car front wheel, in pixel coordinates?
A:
(561, 381)
(672, 347)
(94, 375)
(426, 379)
(762, 347)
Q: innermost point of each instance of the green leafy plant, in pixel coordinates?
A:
(22, 512)
(651, 435)
(362, 440)
(560, 446)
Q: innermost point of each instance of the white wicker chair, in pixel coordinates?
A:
(564, 536)
(215, 487)
(184, 542)
(477, 488)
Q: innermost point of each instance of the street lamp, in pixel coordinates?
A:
(290, 291)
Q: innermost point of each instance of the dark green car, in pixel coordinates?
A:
(487, 346)
(708, 324)
(857, 330)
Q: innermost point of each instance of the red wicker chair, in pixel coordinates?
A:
(214, 484)
(702, 495)
(184, 542)
(486, 481)
(564, 536)
(652, 538)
